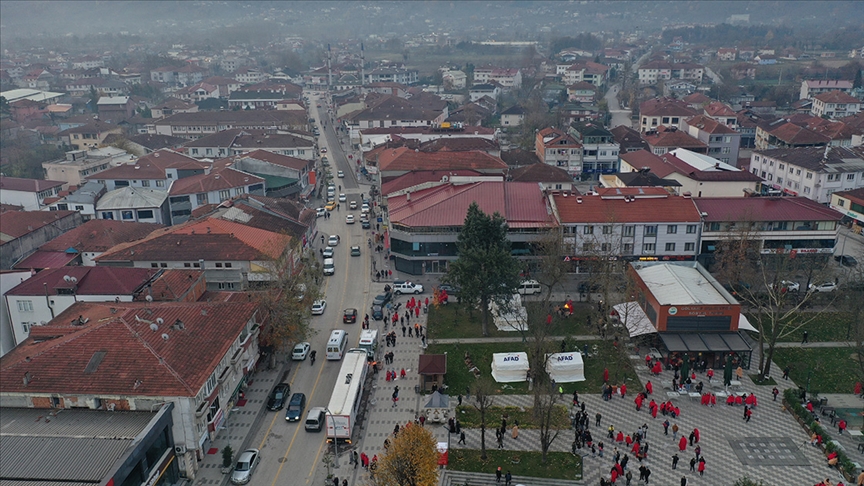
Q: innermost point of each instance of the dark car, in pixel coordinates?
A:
(295, 407)
(365, 223)
(349, 316)
(377, 312)
(278, 396)
(846, 260)
(450, 289)
(382, 299)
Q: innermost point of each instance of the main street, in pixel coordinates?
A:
(290, 454)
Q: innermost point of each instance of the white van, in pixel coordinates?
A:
(315, 419)
(368, 341)
(336, 344)
(329, 266)
(529, 287)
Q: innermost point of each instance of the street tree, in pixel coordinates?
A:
(483, 390)
(551, 270)
(485, 271)
(411, 459)
(545, 404)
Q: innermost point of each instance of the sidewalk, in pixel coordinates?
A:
(508, 340)
(238, 429)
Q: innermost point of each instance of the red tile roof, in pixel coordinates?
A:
(716, 108)
(725, 209)
(643, 158)
(521, 203)
(114, 353)
(708, 124)
(98, 235)
(672, 138)
(405, 159)
(792, 134)
(27, 185)
(650, 205)
(418, 177)
(216, 180)
(539, 173)
(40, 260)
(91, 281)
(279, 159)
(836, 97)
(665, 107)
(173, 284)
(152, 166)
(15, 224)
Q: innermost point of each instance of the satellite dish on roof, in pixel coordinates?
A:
(149, 298)
(165, 337)
(160, 321)
(73, 279)
(154, 327)
(67, 278)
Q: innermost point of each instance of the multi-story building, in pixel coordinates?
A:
(813, 87)
(29, 194)
(835, 104)
(88, 136)
(80, 165)
(214, 187)
(237, 141)
(781, 134)
(654, 71)
(851, 205)
(156, 170)
(624, 223)
(665, 139)
(196, 125)
(558, 148)
(811, 172)
(664, 111)
(507, 78)
(699, 175)
(25, 231)
(723, 142)
(599, 149)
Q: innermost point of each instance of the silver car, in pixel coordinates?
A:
(246, 464)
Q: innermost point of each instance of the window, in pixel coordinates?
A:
(227, 265)
(145, 214)
(145, 183)
(691, 229)
(587, 247)
(79, 208)
(224, 194)
(218, 265)
(201, 198)
(850, 177)
(770, 177)
(187, 265)
(648, 247)
(671, 229)
(154, 265)
(194, 151)
(779, 180)
(781, 166)
(239, 190)
(160, 183)
(25, 306)
(689, 246)
(628, 248)
(605, 247)
(26, 327)
(607, 230)
(809, 175)
(797, 172)
(726, 150)
(670, 246)
(791, 170)
(629, 230)
(107, 214)
(588, 230)
(806, 190)
(651, 230)
(127, 215)
(163, 265)
(226, 285)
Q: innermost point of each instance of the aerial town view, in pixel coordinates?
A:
(431, 243)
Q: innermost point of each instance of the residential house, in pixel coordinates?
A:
(560, 149)
(23, 232)
(812, 87)
(641, 178)
(198, 92)
(851, 205)
(765, 59)
(835, 104)
(29, 194)
(238, 141)
(461, 144)
(454, 79)
(664, 111)
(513, 116)
(811, 172)
(548, 177)
(231, 254)
(171, 106)
(82, 199)
(226, 85)
(697, 174)
(392, 163)
(663, 140)
(398, 75)
(82, 87)
(425, 222)
(115, 109)
(776, 225)
(626, 224)
(628, 140)
(473, 115)
(599, 149)
(582, 92)
(254, 99)
(586, 72)
(182, 76)
(266, 213)
(213, 187)
(723, 113)
(727, 54)
(92, 238)
(196, 125)
(723, 142)
(283, 175)
(78, 165)
(134, 204)
(743, 71)
(479, 91)
(516, 157)
(290, 105)
(118, 340)
(658, 70)
(156, 171)
(507, 78)
(147, 143)
(90, 135)
(8, 280)
(372, 138)
(783, 134)
(392, 111)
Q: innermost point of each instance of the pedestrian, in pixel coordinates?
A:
(683, 480)
(674, 431)
(462, 437)
(665, 426)
(498, 475)
(354, 458)
(701, 466)
(647, 474)
(841, 426)
(459, 400)
(642, 472)
(422, 421)
(335, 481)
(500, 441)
(344, 482)
(804, 337)
(786, 372)
(508, 478)
(692, 437)
(515, 431)
(682, 444)
(693, 464)
(409, 331)
(628, 477)
(598, 417)
(698, 451)
(675, 461)
(575, 397)
(364, 460)
(775, 392)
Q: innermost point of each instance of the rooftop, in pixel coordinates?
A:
(27, 185)
(734, 209)
(131, 197)
(405, 159)
(626, 205)
(87, 281)
(98, 235)
(681, 283)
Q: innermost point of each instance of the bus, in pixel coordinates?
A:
(336, 344)
(347, 393)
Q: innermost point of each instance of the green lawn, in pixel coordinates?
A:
(830, 370)
(826, 327)
(453, 321)
(469, 416)
(559, 465)
(458, 377)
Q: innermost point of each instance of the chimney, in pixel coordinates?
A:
(408, 196)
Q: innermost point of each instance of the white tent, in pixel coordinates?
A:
(510, 367)
(510, 317)
(565, 367)
(634, 319)
(744, 324)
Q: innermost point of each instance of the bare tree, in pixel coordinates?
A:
(551, 270)
(544, 413)
(483, 392)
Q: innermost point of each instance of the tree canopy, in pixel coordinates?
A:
(411, 459)
(485, 270)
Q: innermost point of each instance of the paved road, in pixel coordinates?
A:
(619, 116)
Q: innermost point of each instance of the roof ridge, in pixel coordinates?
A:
(162, 361)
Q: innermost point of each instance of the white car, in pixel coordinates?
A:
(320, 212)
(324, 150)
(823, 287)
(301, 350)
(328, 252)
(787, 286)
(245, 466)
(407, 288)
(352, 205)
(333, 241)
(343, 197)
(364, 208)
(340, 174)
(318, 307)
(349, 219)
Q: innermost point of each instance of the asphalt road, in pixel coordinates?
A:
(290, 454)
(619, 116)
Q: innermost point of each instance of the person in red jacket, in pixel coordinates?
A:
(682, 444)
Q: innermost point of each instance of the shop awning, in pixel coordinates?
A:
(634, 319)
(704, 342)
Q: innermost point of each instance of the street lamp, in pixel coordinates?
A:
(335, 442)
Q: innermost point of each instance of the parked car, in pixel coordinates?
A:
(823, 287)
(343, 197)
(365, 223)
(529, 287)
(349, 316)
(340, 174)
(846, 260)
(333, 241)
(450, 289)
(320, 212)
(382, 299)
(295, 407)
(315, 419)
(355, 251)
(377, 312)
(301, 350)
(318, 307)
(407, 288)
(352, 204)
(787, 286)
(277, 397)
(323, 150)
(328, 252)
(246, 463)
(349, 219)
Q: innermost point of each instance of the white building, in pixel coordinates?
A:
(28, 193)
(811, 172)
